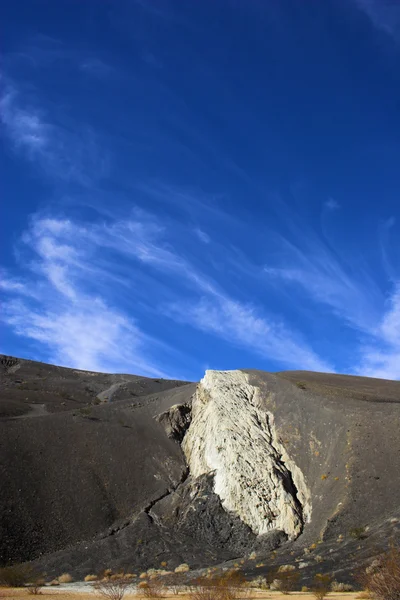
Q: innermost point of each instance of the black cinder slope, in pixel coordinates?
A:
(116, 471)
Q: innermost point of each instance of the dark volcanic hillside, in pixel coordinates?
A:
(79, 451)
(121, 471)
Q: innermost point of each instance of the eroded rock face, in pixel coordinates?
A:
(176, 421)
(234, 437)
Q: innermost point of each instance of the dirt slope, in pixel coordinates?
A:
(93, 477)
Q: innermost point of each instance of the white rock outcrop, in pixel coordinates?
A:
(234, 437)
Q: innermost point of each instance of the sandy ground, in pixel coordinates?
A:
(82, 592)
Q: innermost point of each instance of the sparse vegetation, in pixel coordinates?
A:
(358, 533)
(337, 586)
(183, 568)
(35, 587)
(65, 578)
(382, 579)
(287, 581)
(228, 586)
(174, 582)
(259, 582)
(301, 384)
(321, 585)
(91, 578)
(152, 588)
(15, 575)
(113, 587)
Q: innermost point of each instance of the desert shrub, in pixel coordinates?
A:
(301, 384)
(152, 588)
(259, 582)
(104, 574)
(183, 568)
(228, 586)
(358, 533)
(203, 592)
(15, 575)
(65, 578)
(35, 587)
(337, 586)
(285, 579)
(174, 582)
(382, 579)
(321, 585)
(113, 588)
(91, 578)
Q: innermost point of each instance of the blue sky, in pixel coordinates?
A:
(190, 185)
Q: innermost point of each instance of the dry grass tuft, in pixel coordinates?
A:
(337, 586)
(113, 587)
(152, 588)
(285, 579)
(15, 575)
(228, 586)
(321, 585)
(65, 578)
(183, 568)
(382, 579)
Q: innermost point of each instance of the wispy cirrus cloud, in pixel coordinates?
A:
(202, 235)
(343, 282)
(242, 325)
(382, 358)
(384, 15)
(347, 287)
(53, 305)
(97, 68)
(68, 306)
(26, 127)
(323, 279)
(332, 204)
(59, 150)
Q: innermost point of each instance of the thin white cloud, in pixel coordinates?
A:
(332, 204)
(96, 68)
(78, 270)
(86, 335)
(62, 152)
(382, 358)
(25, 127)
(71, 312)
(202, 235)
(383, 14)
(352, 294)
(54, 307)
(240, 324)
(310, 264)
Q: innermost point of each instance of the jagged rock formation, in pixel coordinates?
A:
(176, 421)
(122, 471)
(234, 437)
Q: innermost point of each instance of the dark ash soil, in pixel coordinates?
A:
(90, 479)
